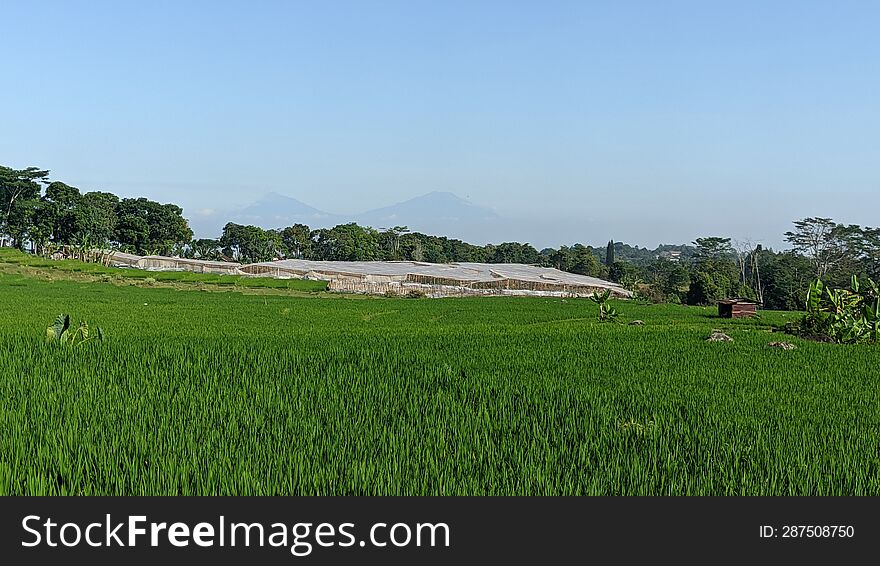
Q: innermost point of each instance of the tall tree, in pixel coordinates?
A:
(250, 244)
(712, 248)
(868, 248)
(715, 274)
(149, 227)
(609, 254)
(19, 189)
(820, 239)
(63, 201)
(96, 216)
(392, 235)
(346, 242)
(296, 241)
(514, 252)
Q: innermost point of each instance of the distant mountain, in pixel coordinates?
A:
(277, 211)
(437, 212)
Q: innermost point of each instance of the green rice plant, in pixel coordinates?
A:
(270, 394)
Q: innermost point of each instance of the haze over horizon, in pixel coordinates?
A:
(642, 122)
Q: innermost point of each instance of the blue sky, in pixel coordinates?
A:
(645, 122)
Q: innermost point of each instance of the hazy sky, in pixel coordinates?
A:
(645, 122)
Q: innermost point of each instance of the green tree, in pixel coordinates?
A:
(585, 262)
(822, 240)
(149, 227)
(42, 222)
(390, 241)
(95, 216)
(63, 201)
(620, 271)
(713, 248)
(514, 252)
(671, 280)
(786, 277)
(867, 248)
(715, 275)
(296, 241)
(346, 242)
(250, 244)
(19, 191)
(609, 254)
(205, 248)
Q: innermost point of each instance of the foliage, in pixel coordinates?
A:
(708, 287)
(250, 244)
(578, 259)
(786, 278)
(62, 333)
(607, 312)
(346, 242)
(148, 227)
(297, 241)
(69, 220)
(669, 280)
(19, 191)
(513, 252)
(846, 316)
(821, 239)
(713, 248)
(621, 271)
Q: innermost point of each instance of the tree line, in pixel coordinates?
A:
(45, 214)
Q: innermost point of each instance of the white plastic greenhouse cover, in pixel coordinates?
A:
(464, 272)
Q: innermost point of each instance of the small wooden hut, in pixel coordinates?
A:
(737, 308)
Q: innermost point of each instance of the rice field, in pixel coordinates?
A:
(69, 266)
(197, 393)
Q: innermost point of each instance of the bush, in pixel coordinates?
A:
(415, 294)
(845, 316)
(607, 313)
(706, 289)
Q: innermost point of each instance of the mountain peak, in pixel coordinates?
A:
(436, 212)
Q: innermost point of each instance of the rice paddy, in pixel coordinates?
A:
(198, 393)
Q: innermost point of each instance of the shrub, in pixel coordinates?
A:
(607, 313)
(61, 332)
(845, 316)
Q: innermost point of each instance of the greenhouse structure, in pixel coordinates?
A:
(398, 277)
(437, 279)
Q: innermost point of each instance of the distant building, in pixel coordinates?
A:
(670, 255)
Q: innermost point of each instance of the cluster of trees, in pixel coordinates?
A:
(715, 268)
(351, 242)
(45, 214)
(711, 269)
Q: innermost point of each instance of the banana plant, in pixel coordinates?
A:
(845, 315)
(607, 313)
